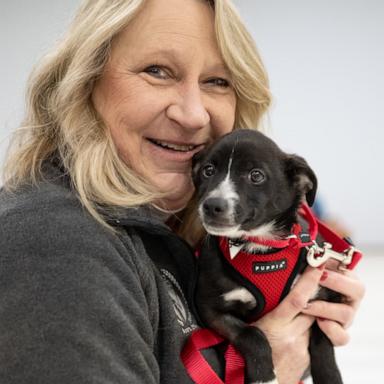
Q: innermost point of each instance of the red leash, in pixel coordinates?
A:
(199, 369)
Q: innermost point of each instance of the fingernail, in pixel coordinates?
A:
(324, 276)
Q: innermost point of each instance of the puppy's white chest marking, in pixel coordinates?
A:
(264, 231)
(240, 294)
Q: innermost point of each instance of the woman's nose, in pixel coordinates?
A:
(189, 110)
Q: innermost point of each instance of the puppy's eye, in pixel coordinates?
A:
(209, 170)
(256, 176)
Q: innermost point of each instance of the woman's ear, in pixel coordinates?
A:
(302, 176)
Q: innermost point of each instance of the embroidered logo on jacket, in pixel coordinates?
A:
(180, 305)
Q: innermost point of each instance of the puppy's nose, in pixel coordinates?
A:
(215, 207)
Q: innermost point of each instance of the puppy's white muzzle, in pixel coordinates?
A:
(218, 207)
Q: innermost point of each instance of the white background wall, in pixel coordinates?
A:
(325, 61)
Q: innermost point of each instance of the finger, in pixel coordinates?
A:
(299, 295)
(301, 324)
(334, 331)
(345, 283)
(342, 313)
(332, 264)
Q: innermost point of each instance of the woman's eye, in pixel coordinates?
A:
(256, 176)
(156, 71)
(219, 82)
(209, 170)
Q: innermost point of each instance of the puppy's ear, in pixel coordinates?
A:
(303, 177)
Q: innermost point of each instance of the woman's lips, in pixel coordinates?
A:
(173, 146)
(175, 151)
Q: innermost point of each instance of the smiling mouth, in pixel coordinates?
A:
(174, 147)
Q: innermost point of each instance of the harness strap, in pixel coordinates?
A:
(307, 214)
(269, 242)
(294, 238)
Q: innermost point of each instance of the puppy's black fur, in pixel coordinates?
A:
(246, 185)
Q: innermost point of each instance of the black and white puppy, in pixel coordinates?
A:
(247, 186)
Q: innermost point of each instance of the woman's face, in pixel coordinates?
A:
(165, 93)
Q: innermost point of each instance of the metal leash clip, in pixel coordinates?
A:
(317, 255)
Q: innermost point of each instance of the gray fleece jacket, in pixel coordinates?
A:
(79, 304)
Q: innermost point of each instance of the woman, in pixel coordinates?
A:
(94, 286)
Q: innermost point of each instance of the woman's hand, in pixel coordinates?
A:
(334, 319)
(287, 329)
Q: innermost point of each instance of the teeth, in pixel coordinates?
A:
(175, 147)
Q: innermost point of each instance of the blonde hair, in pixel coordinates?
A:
(61, 120)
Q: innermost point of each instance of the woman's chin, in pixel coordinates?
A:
(178, 192)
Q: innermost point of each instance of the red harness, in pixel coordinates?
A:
(261, 269)
(269, 278)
